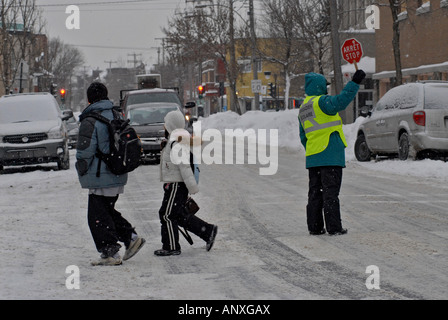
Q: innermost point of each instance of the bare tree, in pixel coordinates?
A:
(62, 61)
(312, 27)
(284, 46)
(395, 8)
(206, 34)
(20, 22)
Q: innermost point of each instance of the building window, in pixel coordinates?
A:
(245, 65)
(259, 65)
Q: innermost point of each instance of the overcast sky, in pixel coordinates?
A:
(112, 30)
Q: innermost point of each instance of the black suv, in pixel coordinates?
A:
(147, 109)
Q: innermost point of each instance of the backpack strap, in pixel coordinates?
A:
(98, 116)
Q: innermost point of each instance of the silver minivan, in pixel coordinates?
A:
(409, 120)
(33, 130)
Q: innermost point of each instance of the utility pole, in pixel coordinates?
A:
(134, 61)
(163, 50)
(158, 55)
(254, 51)
(233, 58)
(336, 48)
(110, 63)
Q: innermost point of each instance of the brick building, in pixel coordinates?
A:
(423, 43)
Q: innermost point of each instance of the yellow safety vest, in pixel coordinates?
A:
(318, 126)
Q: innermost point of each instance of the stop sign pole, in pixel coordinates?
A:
(352, 51)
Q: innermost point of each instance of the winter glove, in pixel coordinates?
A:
(358, 76)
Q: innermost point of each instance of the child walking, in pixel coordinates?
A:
(178, 182)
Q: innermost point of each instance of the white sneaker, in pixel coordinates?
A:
(134, 247)
(108, 261)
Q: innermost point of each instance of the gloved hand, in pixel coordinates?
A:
(358, 76)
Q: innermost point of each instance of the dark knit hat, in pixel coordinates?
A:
(97, 92)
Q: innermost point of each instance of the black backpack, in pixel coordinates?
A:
(125, 145)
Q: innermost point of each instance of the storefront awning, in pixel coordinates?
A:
(430, 68)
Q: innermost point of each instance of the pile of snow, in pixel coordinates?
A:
(286, 122)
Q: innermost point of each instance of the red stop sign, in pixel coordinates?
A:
(352, 51)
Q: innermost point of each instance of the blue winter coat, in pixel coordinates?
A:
(93, 136)
(316, 85)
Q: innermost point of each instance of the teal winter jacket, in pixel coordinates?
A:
(93, 136)
(316, 85)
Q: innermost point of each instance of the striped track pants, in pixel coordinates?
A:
(170, 214)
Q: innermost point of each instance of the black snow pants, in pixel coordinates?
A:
(172, 217)
(107, 225)
(323, 199)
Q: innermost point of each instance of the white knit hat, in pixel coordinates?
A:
(174, 120)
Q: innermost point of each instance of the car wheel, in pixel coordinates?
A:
(404, 147)
(362, 151)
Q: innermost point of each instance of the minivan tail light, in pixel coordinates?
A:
(420, 118)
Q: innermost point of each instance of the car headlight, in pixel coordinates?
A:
(55, 133)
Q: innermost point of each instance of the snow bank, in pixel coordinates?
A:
(286, 122)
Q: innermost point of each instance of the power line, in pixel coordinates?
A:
(118, 2)
(110, 47)
(95, 3)
(116, 9)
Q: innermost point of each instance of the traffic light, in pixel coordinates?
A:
(222, 89)
(201, 92)
(53, 88)
(62, 92)
(272, 90)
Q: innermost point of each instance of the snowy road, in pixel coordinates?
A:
(263, 251)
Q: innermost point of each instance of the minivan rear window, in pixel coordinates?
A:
(436, 97)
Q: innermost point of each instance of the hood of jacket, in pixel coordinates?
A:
(174, 120)
(99, 106)
(315, 84)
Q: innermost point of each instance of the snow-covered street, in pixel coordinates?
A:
(396, 214)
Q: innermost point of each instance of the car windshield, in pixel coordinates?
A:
(27, 109)
(153, 97)
(436, 97)
(149, 115)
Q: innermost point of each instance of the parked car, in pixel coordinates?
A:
(136, 97)
(147, 109)
(409, 120)
(33, 131)
(148, 121)
(73, 130)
